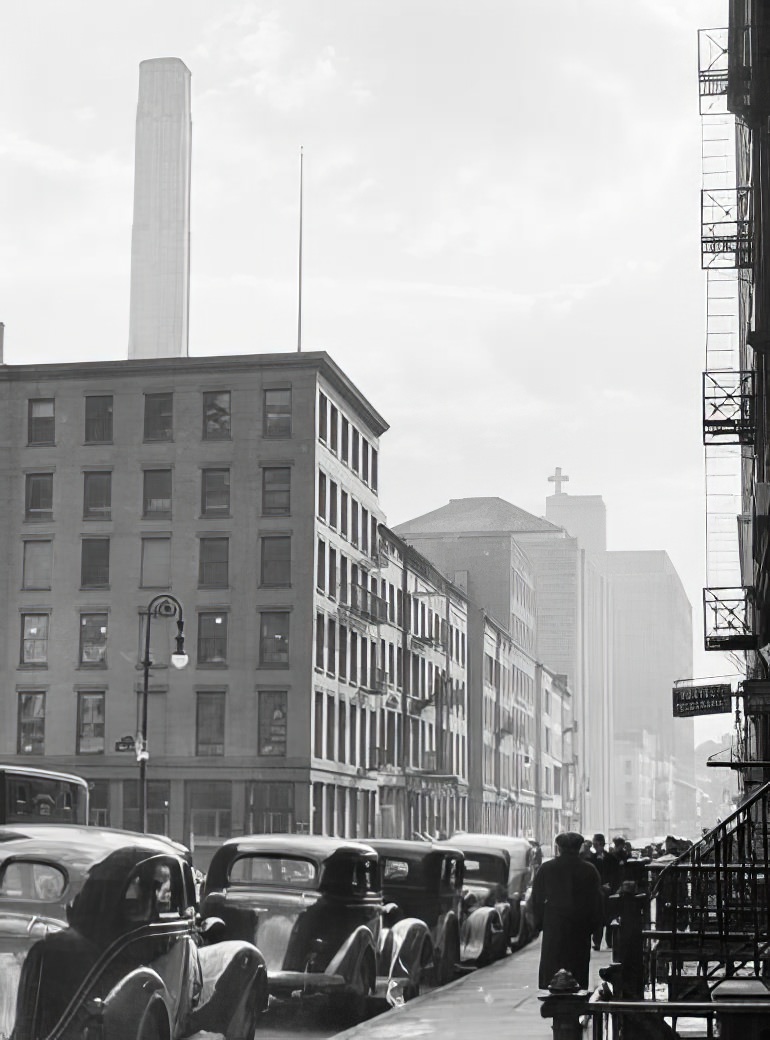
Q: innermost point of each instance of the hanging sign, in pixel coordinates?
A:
(702, 700)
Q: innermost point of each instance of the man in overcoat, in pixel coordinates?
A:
(567, 906)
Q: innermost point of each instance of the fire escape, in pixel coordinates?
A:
(729, 420)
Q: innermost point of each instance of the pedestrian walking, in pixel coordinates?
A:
(566, 906)
(608, 867)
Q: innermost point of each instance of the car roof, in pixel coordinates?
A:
(407, 847)
(314, 846)
(73, 844)
(496, 841)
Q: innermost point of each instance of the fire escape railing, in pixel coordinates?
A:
(709, 906)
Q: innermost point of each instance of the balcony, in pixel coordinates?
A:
(367, 604)
(727, 619)
(726, 239)
(728, 408)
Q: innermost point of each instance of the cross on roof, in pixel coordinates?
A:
(558, 480)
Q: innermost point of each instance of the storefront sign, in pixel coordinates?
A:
(702, 700)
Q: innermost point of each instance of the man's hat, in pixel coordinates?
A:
(598, 839)
(569, 841)
(619, 840)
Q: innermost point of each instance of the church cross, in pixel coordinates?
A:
(558, 480)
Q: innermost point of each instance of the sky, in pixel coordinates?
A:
(501, 228)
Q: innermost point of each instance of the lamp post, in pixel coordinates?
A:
(164, 606)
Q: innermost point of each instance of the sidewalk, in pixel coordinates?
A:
(495, 1002)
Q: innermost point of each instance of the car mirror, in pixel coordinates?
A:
(390, 914)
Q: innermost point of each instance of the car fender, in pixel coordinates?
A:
(349, 955)
(482, 925)
(446, 925)
(409, 951)
(142, 993)
(228, 969)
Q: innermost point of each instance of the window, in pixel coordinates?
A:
(333, 428)
(322, 416)
(158, 796)
(216, 415)
(354, 521)
(215, 492)
(318, 724)
(319, 640)
(34, 639)
(156, 563)
(213, 562)
(157, 494)
(365, 459)
(31, 733)
(322, 495)
(158, 417)
(97, 496)
(374, 474)
(332, 572)
(354, 451)
(345, 439)
(344, 514)
(210, 809)
(331, 642)
(276, 490)
(39, 496)
(98, 419)
(93, 639)
(332, 503)
(95, 563)
(343, 655)
(277, 413)
(276, 561)
(90, 723)
(212, 638)
(274, 638)
(320, 579)
(210, 724)
(272, 722)
(38, 563)
(40, 421)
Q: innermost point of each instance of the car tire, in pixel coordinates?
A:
(445, 970)
(154, 1023)
(243, 1024)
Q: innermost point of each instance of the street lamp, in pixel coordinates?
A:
(164, 606)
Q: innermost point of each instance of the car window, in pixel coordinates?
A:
(277, 870)
(154, 888)
(395, 870)
(451, 874)
(483, 868)
(30, 879)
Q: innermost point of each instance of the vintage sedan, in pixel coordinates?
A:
(498, 872)
(313, 905)
(426, 881)
(99, 937)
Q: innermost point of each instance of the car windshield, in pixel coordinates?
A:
(481, 867)
(275, 870)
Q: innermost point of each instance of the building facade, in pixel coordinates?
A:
(247, 487)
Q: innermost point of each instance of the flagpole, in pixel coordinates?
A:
(299, 288)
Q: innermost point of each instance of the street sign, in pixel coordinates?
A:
(702, 700)
(125, 744)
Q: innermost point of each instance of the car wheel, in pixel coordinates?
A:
(243, 1024)
(154, 1024)
(356, 1005)
(445, 970)
(520, 940)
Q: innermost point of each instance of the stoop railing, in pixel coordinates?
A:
(708, 908)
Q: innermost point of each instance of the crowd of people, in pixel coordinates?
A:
(570, 901)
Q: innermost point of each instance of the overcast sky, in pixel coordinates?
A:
(501, 227)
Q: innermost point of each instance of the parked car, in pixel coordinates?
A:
(99, 936)
(426, 881)
(498, 872)
(313, 905)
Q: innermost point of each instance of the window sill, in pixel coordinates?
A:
(33, 666)
(273, 666)
(86, 667)
(156, 516)
(91, 519)
(87, 444)
(211, 665)
(41, 444)
(39, 519)
(95, 588)
(269, 585)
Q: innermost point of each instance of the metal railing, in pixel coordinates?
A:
(709, 906)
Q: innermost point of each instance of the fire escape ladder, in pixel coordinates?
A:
(729, 399)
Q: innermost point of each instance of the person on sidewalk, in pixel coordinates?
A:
(608, 865)
(566, 905)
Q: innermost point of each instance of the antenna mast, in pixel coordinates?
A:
(299, 289)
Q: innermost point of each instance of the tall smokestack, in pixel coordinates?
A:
(160, 242)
